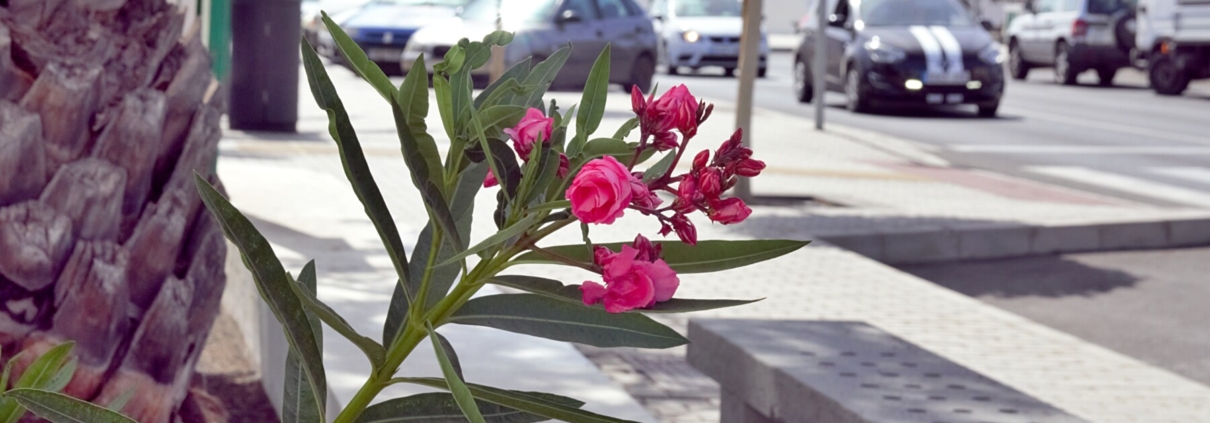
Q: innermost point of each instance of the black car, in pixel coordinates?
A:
(912, 52)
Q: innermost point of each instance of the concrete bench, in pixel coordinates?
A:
(841, 372)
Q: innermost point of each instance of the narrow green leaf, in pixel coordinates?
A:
(440, 407)
(445, 105)
(298, 402)
(496, 238)
(357, 170)
(62, 376)
(411, 107)
(41, 373)
(571, 113)
(596, 91)
(453, 59)
(533, 402)
(359, 61)
(498, 38)
(462, 395)
(563, 321)
(542, 76)
(396, 314)
(626, 128)
(271, 280)
(372, 350)
(553, 205)
(606, 146)
(59, 408)
(515, 74)
(501, 116)
(571, 293)
(547, 171)
(705, 257)
(659, 168)
(120, 401)
(442, 214)
(449, 352)
(504, 164)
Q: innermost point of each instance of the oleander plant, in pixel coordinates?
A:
(507, 140)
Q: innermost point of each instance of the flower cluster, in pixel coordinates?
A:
(534, 126)
(604, 188)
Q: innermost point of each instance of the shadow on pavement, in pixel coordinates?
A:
(1046, 276)
(934, 112)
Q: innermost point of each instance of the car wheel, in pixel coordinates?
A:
(1017, 66)
(858, 103)
(804, 87)
(1105, 76)
(760, 73)
(1064, 72)
(1165, 77)
(988, 110)
(642, 72)
(729, 71)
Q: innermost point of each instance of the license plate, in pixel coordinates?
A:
(385, 54)
(725, 50)
(947, 78)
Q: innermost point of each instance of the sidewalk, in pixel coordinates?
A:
(869, 190)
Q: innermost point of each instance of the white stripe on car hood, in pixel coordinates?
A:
(931, 47)
(953, 50)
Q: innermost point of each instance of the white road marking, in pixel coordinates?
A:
(1200, 175)
(1156, 150)
(1127, 184)
(1148, 134)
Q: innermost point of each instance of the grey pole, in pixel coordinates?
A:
(496, 67)
(820, 60)
(749, 57)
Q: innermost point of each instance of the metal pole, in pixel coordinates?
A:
(496, 67)
(820, 60)
(749, 58)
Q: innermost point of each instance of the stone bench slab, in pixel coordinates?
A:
(842, 372)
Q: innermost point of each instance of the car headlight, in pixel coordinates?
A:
(881, 52)
(993, 54)
(691, 36)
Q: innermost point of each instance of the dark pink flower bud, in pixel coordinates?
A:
(710, 183)
(665, 229)
(684, 229)
(665, 141)
(687, 190)
(636, 100)
(647, 251)
(728, 211)
(563, 166)
(601, 256)
(681, 107)
(490, 180)
(641, 195)
(700, 160)
(749, 167)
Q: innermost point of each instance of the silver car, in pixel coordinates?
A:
(543, 27)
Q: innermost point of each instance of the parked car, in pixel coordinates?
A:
(382, 27)
(1072, 36)
(312, 23)
(1174, 37)
(914, 52)
(699, 33)
(542, 27)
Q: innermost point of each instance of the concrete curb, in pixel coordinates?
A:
(1008, 240)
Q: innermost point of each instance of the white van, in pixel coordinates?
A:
(1174, 37)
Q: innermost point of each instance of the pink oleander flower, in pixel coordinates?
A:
(634, 278)
(680, 108)
(601, 191)
(728, 211)
(530, 128)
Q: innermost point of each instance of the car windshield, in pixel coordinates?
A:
(708, 8)
(1109, 7)
(913, 12)
(511, 11)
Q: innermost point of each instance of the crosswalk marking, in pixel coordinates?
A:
(1160, 150)
(1200, 175)
(1128, 184)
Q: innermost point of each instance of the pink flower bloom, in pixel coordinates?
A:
(534, 125)
(601, 191)
(681, 108)
(728, 211)
(631, 282)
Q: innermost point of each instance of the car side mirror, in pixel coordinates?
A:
(568, 16)
(837, 20)
(987, 25)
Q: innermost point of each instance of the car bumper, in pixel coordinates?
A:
(888, 85)
(1087, 56)
(709, 53)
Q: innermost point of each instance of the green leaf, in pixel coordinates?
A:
(120, 401)
(504, 164)
(563, 321)
(357, 170)
(272, 282)
(553, 205)
(440, 407)
(445, 105)
(499, 38)
(359, 61)
(661, 167)
(501, 116)
(411, 107)
(442, 214)
(548, 169)
(606, 147)
(571, 293)
(516, 73)
(705, 257)
(298, 402)
(533, 402)
(496, 238)
(62, 376)
(41, 374)
(596, 90)
(571, 113)
(449, 352)
(462, 395)
(626, 128)
(453, 59)
(372, 350)
(59, 408)
(541, 77)
(396, 314)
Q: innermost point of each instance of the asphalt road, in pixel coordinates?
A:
(1150, 305)
(1124, 141)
